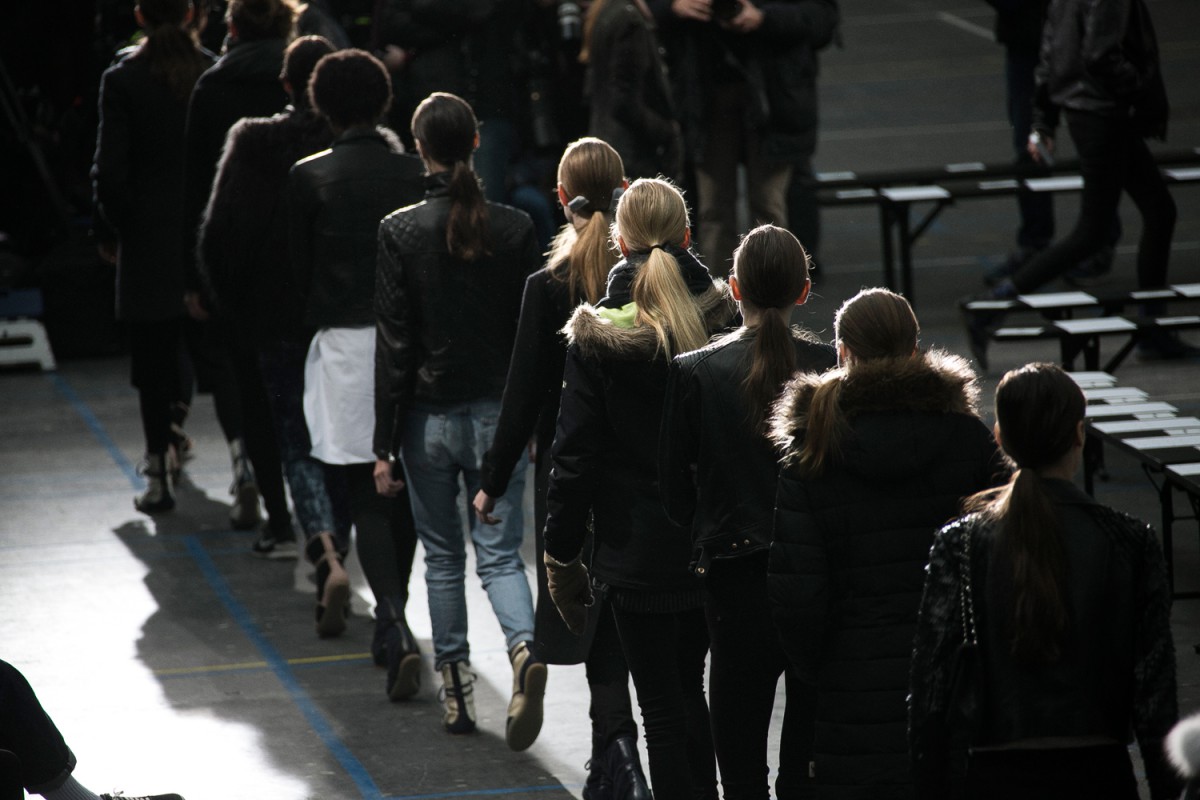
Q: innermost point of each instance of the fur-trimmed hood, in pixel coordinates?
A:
(597, 336)
(932, 383)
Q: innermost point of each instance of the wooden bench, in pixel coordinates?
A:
(1165, 444)
(897, 192)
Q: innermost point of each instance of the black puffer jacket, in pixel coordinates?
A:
(605, 460)
(337, 199)
(847, 565)
(717, 469)
(445, 326)
(243, 244)
(1117, 672)
(1102, 58)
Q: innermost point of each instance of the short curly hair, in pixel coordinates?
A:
(299, 61)
(350, 87)
(261, 19)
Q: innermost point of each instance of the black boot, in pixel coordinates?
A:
(333, 585)
(597, 786)
(625, 771)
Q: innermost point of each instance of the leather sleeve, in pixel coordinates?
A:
(577, 444)
(798, 578)
(396, 348)
(677, 446)
(1104, 53)
(301, 210)
(813, 22)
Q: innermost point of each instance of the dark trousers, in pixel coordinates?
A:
(43, 759)
(745, 664)
(610, 707)
(1113, 158)
(154, 372)
(1036, 229)
(665, 653)
(1099, 771)
(386, 539)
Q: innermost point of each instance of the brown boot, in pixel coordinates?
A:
(333, 585)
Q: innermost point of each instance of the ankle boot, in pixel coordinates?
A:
(333, 585)
(159, 494)
(625, 771)
(597, 786)
(524, 721)
(243, 512)
(182, 446)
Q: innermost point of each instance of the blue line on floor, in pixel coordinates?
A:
(85, 413)
(353, 767)
(476, 793)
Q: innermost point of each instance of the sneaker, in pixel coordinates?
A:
(524, 721)
(267, 546)
(123, 796)
(403, 662)
(458, 696)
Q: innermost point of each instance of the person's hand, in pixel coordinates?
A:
(385, 484)
(484, 503)
(748, 19)
(107, 251)
(195, 306)
(1040, 146)
(692, 9)
(571, 590)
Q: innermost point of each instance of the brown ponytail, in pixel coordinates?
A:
(446, 128)
(170, 48)
(592, 170)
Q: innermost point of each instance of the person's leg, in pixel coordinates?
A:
(1036, 209)
(27, 731)
(154, 361)
(651, 643)
(803, 208)
(1103, 161)
(693, 652)
(614, 768)
(794, 780)
(717, 178)
(767, 187)
(1146, 187)
(745, 668)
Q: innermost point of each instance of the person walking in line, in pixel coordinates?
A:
(450, 274)
(336, 199)
(591, 176)
(877, 456)
(1069, 606)
(718, 473)
(660, 301)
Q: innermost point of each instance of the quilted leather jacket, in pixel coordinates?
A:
(445, 326)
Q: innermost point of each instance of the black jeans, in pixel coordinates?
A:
(154, 372)
(1036, 208)
(1113, 157)
(665, 653)
(45, 761)
(746, 663)
(386, 539)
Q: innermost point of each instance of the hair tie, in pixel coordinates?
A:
(579, 205)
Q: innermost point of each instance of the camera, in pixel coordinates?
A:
(570, 20)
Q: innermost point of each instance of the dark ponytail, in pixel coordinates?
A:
(771, 269)
(446, 128)
(1038, 409)
(170, 48)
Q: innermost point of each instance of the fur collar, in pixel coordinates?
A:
(934, 382)
(597, 337)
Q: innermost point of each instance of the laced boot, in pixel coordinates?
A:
(458, 697)
(598, 786)
(333, 585)
(524, 721)
(160, 493)
(243, 512)
(403, 661)
(625, 771)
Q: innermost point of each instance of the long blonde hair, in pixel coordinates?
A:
(651, 215)
(874, 324)
(590, 169)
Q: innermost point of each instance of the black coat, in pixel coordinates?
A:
(1117, 670)
(243, 247)
(137, 176)
(847, 565)
(776, 64)
(243, 83)
(445, 326)
(336, 200)
(630, 95)
(605, 459)
(716, 467)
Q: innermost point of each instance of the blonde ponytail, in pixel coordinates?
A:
(665, 304)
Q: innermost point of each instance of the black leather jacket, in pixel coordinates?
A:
(1101, 58)
(337, 198)
(445, 326)
(716, 468)
(1117, 672)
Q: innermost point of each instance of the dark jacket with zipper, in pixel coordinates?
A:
(1116, 673)
(337, 199)
(847, 565)
(1101, 58)
(716, 467)
(445, 327)
(604, 471)
(243, 247)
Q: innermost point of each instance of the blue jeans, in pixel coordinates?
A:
(441, 444)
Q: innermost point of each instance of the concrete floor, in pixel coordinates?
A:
(174, 661)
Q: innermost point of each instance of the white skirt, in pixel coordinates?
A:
(339, 395)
